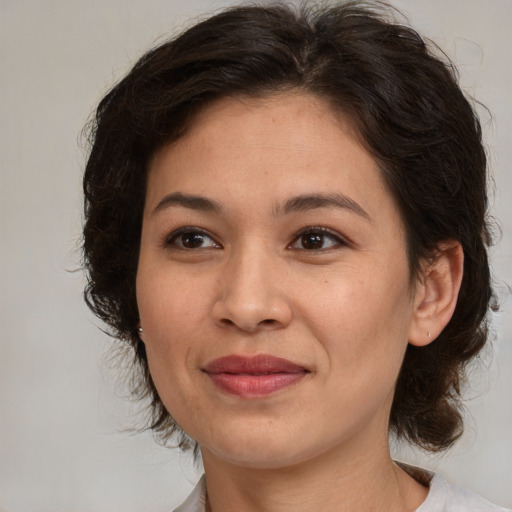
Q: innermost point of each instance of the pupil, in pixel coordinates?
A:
(192, 240)
(312, 241)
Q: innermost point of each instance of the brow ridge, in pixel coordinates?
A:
(299, 203)
(190, 201)
(313, 201)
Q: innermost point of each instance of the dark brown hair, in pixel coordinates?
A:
(402, 98)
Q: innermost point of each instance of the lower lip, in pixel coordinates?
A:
(255, 386)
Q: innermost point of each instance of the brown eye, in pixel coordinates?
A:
(190, 239)
(312, 241)
(317, 239)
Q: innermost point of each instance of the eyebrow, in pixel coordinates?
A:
(300, 203)
(313, 201)
(188, 201)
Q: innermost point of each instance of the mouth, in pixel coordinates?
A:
(254, 377)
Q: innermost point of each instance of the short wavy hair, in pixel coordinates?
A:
(402, 97)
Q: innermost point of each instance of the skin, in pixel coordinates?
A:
(343, 307)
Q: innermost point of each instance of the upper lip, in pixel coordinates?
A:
(253, 365)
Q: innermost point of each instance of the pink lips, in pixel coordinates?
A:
(253, 377)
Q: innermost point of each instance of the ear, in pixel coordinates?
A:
(436, 294)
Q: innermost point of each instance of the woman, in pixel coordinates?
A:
(286, 219)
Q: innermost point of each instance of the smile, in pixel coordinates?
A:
(254, 377)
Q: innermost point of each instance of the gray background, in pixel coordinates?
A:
(61, 442)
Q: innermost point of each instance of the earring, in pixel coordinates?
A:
(429, 335)
(140, 329)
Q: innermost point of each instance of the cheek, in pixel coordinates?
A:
(174, 312)
(361, 319)
(170, 302)
(159, 308)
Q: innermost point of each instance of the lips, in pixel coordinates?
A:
(253, 377)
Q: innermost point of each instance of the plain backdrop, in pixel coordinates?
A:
(63, 445)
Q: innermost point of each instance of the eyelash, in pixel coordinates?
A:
(171, 239)
(324, 232)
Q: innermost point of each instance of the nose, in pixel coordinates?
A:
(251, 294)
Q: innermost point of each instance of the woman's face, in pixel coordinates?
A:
(273, 284)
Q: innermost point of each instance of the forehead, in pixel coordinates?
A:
(291, 115)
(267, 148)
(271, 127)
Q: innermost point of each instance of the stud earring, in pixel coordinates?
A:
(429, 335)
(140, 329)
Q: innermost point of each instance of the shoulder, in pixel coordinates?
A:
(445, 497)
(196, 499)
(442, 497)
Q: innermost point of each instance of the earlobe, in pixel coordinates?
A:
(437, 293)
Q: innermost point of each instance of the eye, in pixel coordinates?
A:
(316, 239)
(190, 238)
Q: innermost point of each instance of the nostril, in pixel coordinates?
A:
(268, 321)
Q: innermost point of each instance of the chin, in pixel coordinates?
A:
(268, 459)
(265, 451)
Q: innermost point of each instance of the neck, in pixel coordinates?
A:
(335, 482)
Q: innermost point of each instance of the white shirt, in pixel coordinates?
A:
(442, 497)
